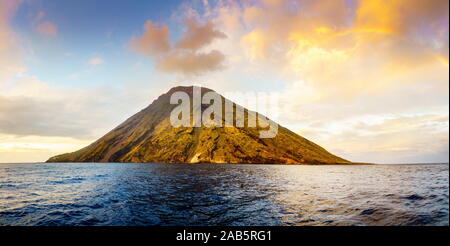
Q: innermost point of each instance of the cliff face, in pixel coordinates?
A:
(148, 136)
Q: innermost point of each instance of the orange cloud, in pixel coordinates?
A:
(40, 15)
(345, 49)
(442, 59)
(154, 40)
(185, 56)
(399, 15)
(198, 36)
(47, 28)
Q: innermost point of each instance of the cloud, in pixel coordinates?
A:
(96, 61)
(340, 49)
(377, 41)
(39, 120)
(395, 139)
(8, 8)
(47, 28)
(198, 36)
(154, 41)
(40, 15)
(399, 16)
(32, 107)
(10, 64)
(29, 116)
(186, 56)
(19, 149)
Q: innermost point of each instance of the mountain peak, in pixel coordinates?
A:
(187, 89)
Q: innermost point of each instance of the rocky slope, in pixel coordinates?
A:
(148, 136)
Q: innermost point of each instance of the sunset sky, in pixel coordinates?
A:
(368, 80)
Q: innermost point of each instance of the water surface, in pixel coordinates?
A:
(203, 194)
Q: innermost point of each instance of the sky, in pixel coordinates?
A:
(366, 79)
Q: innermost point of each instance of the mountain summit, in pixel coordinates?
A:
(149, 136)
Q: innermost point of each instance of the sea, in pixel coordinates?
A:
(146, 194)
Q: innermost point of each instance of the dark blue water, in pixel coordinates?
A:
(166, 194)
